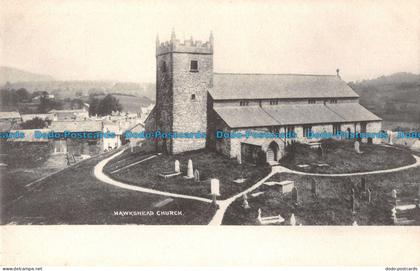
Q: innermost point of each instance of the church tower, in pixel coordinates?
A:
(184, 74)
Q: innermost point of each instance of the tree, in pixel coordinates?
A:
(35, 123)
(104, 106)
(22, 95)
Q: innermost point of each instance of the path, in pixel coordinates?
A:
(100, 175)
(416, 164)
(224, 204)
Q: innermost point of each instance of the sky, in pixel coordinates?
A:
(115, 40)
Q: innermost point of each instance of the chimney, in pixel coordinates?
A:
(338, 72)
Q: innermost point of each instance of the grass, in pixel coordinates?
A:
(332, 205)
(342, 158)
(75, 196)
(209, 164)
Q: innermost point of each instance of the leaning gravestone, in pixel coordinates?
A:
(357, 146)
(295, 196)
(196, 175)
(177, 167)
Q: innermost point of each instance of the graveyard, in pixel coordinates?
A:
(158, 172)
(330, 200)
(341, 157)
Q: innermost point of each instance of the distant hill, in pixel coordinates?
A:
(394, 97)
(12, 75)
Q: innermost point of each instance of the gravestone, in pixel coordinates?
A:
(238, 159)
(292, 220)
(245, 203)
(295, 196)
(313, 187)
(353, 202)
(394, 196)
(196, 175)
(357, 146)
(394, 215)
(177, 167)
(355, 223)
(369, 195)
(190, 172)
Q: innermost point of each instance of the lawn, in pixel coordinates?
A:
(75, 196)
(342, 158)
(209, 164)
(332, 205)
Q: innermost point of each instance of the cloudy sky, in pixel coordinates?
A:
(75, 40)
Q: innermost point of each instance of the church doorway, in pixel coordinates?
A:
(272, 152)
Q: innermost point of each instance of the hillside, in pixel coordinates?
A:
(12, 75)
(395, 98)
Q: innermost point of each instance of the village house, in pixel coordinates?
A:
(9, 120)
(70, 114)
(190, 97)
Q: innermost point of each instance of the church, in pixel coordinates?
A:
(191, 97)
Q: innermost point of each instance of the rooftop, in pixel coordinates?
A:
(76, 126)
(233, 86)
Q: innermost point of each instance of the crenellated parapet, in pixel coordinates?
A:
(174, 45)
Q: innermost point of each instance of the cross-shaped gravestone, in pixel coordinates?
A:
(369, 195)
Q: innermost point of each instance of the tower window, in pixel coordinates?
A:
(274, 102)
(311, 101)
(193, 97)
(163, 66)
(194, 66)
(243, 103)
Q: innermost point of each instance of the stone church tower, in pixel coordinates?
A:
(184, 75)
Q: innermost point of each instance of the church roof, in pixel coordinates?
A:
(297, 114)
(229, 86)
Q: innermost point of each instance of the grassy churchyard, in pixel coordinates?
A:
(233, 178)
(327, 200)
(341, 157)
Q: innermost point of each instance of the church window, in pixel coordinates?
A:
(333, 101)
(274, 102)
(311, 101)
(193, 97)
(194, 66)
(336, 128)
(306, 130)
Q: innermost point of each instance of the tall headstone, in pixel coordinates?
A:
(238, 159)
(295, 196)
(394, 215)
(196, 175)
(292, 220)
(190, 172)
(245, 203)
(357, 146)
(353, 202)
(177, 167)
(394, 196)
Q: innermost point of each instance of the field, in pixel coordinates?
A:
(130, 103)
